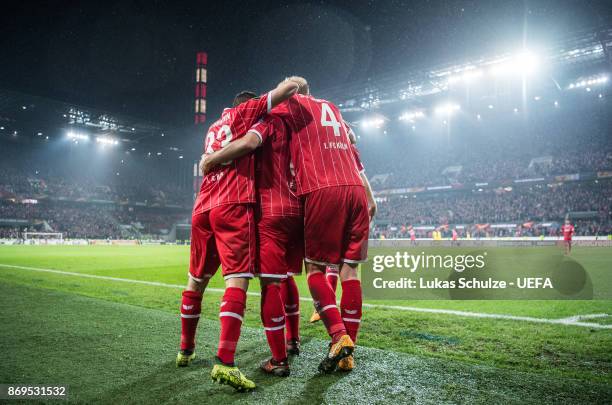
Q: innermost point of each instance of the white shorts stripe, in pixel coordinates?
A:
(355, 261)
(326, 307)
(273, 276)
(276, 327)
(351, 320)
(232, 314)
(190, 316)
(238, 275)
(199, 280)
(317, 262)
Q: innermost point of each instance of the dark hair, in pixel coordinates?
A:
(243, 96)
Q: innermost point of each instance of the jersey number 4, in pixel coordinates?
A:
(328, 119)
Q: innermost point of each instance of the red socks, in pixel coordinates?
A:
(325, 304)
(273, 318)
(231, 313)
(350, 305)
(331, 273)
(191, 306)
(291, 298)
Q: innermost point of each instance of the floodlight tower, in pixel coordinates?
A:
(200, 87)
(201, 74)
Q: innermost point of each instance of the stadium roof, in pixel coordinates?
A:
(576, 54)
(37, 115)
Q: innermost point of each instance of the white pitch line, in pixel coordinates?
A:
(571, 321)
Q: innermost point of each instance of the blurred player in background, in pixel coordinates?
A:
(280, 229)
(336, 222)
(223, 232)
(567, 229)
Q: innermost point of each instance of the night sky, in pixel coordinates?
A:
(137, 57)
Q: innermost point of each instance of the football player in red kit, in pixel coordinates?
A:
(280, 228)
(223, 232)
(336, 222)
(568, 231)
(332, 272)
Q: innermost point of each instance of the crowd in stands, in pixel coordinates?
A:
(518, 205)
(90, 221)
(558, 141)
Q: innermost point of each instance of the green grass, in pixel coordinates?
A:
(114, 341)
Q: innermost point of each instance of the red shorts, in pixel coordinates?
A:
(336, 225)
(225, 235)
(281, 246)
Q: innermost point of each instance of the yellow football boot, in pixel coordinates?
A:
(337, 351)
(230, 375)
(347, 363)
(184, 358)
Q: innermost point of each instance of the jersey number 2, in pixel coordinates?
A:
(224, 135)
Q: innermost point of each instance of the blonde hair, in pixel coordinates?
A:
(303, 88)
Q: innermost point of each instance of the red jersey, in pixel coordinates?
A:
(568, 231)
(320, 149)
(234, 182)
(273, 173)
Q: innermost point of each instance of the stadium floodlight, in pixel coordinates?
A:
(103, 140)
(466, 76)
(77, 136)
(411, 116)
(524, 63)
(372, 122)
(594, 80)
(447, 108)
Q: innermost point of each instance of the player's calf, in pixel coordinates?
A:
(273, 319)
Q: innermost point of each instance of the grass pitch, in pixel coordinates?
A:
(115, 341)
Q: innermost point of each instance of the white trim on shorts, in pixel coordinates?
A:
(319, 263)
(199, 280)
(238, 275)
(272, 275)
(355, 261)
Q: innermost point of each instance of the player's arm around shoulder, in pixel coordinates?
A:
(234, 150)
(282, 92)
